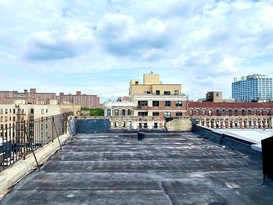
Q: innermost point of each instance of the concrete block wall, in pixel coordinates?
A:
(93, 125)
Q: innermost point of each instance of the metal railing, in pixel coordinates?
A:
(19, 139)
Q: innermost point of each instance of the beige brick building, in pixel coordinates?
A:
(150, 105)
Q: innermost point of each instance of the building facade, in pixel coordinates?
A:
(35, 119)
(21, 111)
(232, 114)
(252, 88)
(33, 97)
(90, 101)
(150, 105)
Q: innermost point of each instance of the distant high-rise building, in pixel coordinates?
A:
(252, 88)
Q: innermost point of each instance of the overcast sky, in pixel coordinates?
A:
(98, 46)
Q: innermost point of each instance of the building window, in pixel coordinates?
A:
(167, 103)
(230, 112)
(178, 114)
(204, 112)
(6, 111)
(157, 92)
(191, 112)
(155, 125)
(129, 112)
(178, 103)
(31, 111)
(167, 93)
(176, 92)
(140, 125)
(255, 112)
(167, 114)
(116, 112)
(243, 112)
(108, 112)
(142, 103)
(218, 112)
(155, 103)
(155, 113)
(13, 111)
(268, 112)
(249, 112)
(197, 112)
(1, 111)
(42, 111)
(145, 125)
(130, 124)
(123, 112)
(236, 112)
(210, 112)
(142, 113)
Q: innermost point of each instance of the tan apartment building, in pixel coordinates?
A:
(152, 104)
(20, 111)
(35, 119)
(152, 85)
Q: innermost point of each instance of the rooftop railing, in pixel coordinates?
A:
(21, 138)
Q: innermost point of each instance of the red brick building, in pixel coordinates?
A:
(33, 97)
(232, 114)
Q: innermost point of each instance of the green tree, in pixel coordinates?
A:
(96, 112)
(85, 108)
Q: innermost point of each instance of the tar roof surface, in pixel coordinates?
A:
(162, 169)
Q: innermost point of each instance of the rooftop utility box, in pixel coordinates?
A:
(267, 153)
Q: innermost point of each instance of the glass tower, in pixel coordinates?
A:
(252, 88)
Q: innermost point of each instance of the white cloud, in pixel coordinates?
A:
(201, 44)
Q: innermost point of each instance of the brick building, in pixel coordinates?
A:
(91, 101)
(150, 105)
(232, 114)
(33, 97)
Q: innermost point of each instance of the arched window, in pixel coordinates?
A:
(248, 112)
(224, 112)
(197, 112)
(116, 112)
(210, 112)
(229, 112)
(218, 112)
(243, 112)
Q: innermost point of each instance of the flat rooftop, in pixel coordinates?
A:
(169, 168)
(254, 136)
